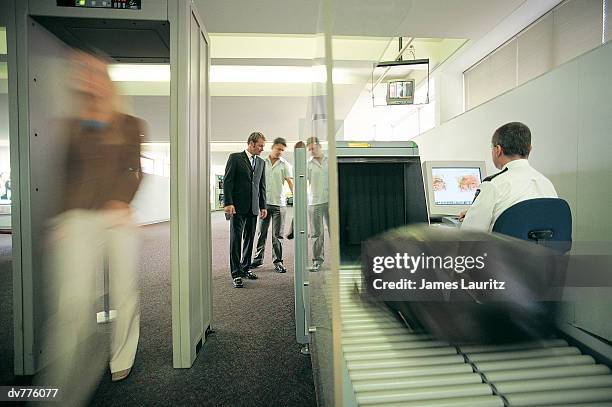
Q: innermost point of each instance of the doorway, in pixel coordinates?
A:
(151, 35)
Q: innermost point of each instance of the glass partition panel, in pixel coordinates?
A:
(343, 124)
(320, 256)
(357, 36)
(5, 157)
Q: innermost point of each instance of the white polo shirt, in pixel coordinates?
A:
(318, 181)
(276, 175)
(517, 182)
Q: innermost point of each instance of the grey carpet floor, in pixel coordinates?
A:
(6, 311)
(252, 359)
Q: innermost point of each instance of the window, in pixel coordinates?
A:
(568, 30)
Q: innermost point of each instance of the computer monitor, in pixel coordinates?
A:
(451, 185)
(400, 92)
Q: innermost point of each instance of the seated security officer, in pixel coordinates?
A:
(516, 182)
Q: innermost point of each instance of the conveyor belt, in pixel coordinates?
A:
(389, 366)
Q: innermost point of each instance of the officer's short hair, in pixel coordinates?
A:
(280, 140)
(255, 136)
(514, 139)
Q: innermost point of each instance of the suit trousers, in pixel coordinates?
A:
(242, 234)
(276, 216)
(78, 242)
(318, 213)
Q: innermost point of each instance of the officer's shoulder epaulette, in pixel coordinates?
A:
(490, 177)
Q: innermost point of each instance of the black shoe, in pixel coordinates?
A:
(256, 263)
(237, 282)
(251, 276)
(279, 268)
(290, 236)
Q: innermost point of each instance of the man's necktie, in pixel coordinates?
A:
(253, 164)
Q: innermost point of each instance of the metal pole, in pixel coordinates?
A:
(301, 250)
(108, 315)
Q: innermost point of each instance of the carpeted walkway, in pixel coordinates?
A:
(6, 313)
(252, 359)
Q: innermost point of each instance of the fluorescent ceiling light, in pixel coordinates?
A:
(275, 74)
(232, 74)
(264, 74)
(139, 72)
(225, 146)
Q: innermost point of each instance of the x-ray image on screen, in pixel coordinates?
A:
(454, 186)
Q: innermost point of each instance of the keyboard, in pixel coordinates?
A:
(451, 221)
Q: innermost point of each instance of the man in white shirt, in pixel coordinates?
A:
(278, 170)
(516, 182)
(318, 199)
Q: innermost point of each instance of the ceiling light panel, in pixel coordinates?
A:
(139, 72)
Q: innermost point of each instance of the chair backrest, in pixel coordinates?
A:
(546, 221)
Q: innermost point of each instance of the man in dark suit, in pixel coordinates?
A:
(244, 192)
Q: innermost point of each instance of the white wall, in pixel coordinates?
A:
(392, 122)
(234, 118)
(5, 165)
(152, 201)
(569, 113)
(155, 110)
(151, 204)
(4, 117)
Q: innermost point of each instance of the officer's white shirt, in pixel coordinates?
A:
(276, 174)
(516, 184)
(318, 179)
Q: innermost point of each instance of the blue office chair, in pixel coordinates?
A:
(546, 221)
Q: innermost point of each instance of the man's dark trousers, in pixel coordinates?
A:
(242, 235)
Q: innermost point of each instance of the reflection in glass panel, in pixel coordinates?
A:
(3, 48)
(5, 161)
(317, 167)
(372, 183)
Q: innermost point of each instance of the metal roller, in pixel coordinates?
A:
(554, 397)
(558, 383)
(535, 363)
(393, 346)
(478, 401)
(547, 372)
(513, 346)
(398, 372)
(355, 340)
(367, 319)
(417, 381)
(424, 393)
(595, 404)
(525, 354)
(405, 362)
(399, 353)
(368, 325)
(381, 331)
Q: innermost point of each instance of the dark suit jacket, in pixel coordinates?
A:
(244, 187)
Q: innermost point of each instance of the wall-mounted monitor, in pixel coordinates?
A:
(400, 92)
(451, 185)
